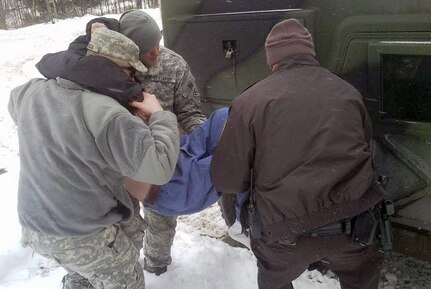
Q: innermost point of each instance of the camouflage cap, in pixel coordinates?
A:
(115, 45)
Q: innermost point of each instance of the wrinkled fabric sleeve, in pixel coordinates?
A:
(60, 64)
(112, 82)
(187, 102)
(57, 64)
(12, 105)
(111, 23)
(86, 71)
(17, 97)
(368, 127)
(79, 45)
(144, 153)
(234, 156)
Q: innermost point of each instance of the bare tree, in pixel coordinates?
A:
(3, 24)
(48, 8)
(116, 7)
(17, 13)
(52, 9)
(20, 13)
(151, 3)
(101, 7)
(138, 4)
(33, 9)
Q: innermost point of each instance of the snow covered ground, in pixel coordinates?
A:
(200, 259)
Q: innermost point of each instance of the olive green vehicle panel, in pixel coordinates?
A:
(383, 48)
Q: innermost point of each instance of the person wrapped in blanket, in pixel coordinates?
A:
(190, 189)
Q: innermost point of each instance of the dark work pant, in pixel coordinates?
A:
(358, 267)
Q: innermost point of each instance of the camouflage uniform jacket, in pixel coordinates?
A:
(174, 85)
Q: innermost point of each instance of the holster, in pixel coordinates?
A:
(365, 226)
(386, 235)
(374, 226)
(250, 219)
(254, 221)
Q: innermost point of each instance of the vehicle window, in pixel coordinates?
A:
(406, 87)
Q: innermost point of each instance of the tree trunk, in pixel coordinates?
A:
(109, 5)
(48, 8)
(33, 9)
(20, 14)
(84, 8)
(3, 24)
(54, 8)
(138, 4)
(154, 3)
(116, 7)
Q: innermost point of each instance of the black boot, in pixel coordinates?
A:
(154, 270)
(319, 266)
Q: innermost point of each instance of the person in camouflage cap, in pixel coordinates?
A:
(116, 47)
(72, 201)
(168, 76)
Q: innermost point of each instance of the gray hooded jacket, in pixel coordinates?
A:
(76, 148)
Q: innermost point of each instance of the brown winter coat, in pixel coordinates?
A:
(306, 134)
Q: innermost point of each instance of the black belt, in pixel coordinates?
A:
(337, 228)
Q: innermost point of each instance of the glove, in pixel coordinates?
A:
(227, 206)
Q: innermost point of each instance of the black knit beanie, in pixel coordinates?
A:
(141, 28)
(287, 38)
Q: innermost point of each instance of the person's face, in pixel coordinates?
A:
(149, 58)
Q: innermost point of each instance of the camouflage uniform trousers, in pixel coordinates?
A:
(158, 238)
(174, 85)
(105, 260)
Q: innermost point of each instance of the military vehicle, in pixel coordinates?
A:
(383, 48)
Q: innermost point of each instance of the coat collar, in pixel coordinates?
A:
(297, 60)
